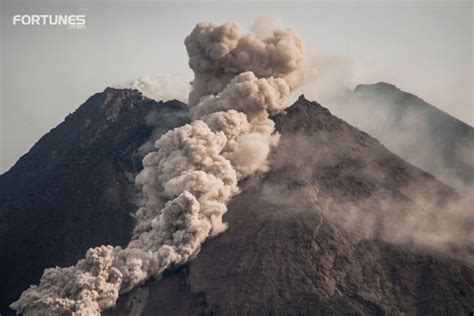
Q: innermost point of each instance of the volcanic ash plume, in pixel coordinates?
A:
(239, 81)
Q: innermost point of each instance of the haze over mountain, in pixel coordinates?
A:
(338, 225)
(410, 127)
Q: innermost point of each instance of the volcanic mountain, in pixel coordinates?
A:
(414, 129)
(338, 225)
(74, 189)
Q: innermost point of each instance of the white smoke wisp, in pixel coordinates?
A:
(239, 82)
(162, 88)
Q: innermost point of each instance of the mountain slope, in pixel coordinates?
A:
(297, 245)
(74, 188)
(328, 230)
(412, 128)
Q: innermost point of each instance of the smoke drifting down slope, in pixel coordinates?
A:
(194, 172)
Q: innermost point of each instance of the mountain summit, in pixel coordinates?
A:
(338, 225)
(326, 231)
(75, 188)
(414, 129)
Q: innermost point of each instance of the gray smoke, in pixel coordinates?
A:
(193, 173)
(219, 53)
(424, 136)
(418, 132)
(415, 213)
(162, 88)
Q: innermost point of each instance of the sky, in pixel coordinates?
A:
(423, 47)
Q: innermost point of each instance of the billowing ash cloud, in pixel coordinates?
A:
(219, 53)
(194, 172)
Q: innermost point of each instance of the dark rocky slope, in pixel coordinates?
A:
(286, 251)
(74, 189)
(313, 236)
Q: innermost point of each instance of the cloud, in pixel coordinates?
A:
(163, 88)
(194, 170)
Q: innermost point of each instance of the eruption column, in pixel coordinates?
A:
(239, 82)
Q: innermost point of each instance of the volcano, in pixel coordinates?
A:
(325, 231)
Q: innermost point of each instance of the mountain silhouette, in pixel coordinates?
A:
(339, 225)
(414, 129)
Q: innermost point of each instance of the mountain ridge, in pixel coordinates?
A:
(284, 253)
(75, 188)
(388, 86)
(293, 241)
(410, 127)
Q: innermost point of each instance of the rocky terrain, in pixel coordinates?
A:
(75, 188)
(287, 251)
(324, 232)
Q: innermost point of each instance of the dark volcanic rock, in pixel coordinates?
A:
(74, 188)
(312, 236)
(286, 254)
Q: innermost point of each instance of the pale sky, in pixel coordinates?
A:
(422, 47)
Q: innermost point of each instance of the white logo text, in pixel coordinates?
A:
(71, 21)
